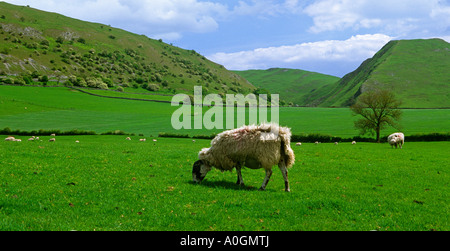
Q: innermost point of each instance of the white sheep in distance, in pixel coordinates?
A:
(253, 146)
(353, 142)
(397, 139)
(10, 138)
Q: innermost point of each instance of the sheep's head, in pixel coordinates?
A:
(393, 141)
(200, 170)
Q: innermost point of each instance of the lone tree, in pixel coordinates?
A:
(378, 109)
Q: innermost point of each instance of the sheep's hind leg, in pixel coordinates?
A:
(240, 181)
(284, 171)
(266, 179)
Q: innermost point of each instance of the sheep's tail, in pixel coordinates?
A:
(289, 156)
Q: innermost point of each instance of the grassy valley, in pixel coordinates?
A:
(295, 87)
(107, 183)
(32, 108)
(416, 70)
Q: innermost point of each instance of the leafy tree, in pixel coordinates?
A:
(60, 40)
(44, 79)
(378, 109)
(81, 40)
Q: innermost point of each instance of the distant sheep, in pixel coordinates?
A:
(336, 143)
(53, 135)
(128, 138)
(353, 142)
(397, 139)
(11, 138)
(52, 140)
(298, 144)
(143, 140)
(253, 146)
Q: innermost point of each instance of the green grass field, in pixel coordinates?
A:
(108, 183)
(34, 108)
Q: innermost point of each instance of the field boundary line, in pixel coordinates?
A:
(126, 98)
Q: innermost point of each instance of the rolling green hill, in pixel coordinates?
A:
(416, 70)
(37, 45)
(298, 87)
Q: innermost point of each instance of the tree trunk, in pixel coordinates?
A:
(378, 134)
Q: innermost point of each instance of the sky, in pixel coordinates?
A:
(327, 36)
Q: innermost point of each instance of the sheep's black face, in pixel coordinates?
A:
(198, 171)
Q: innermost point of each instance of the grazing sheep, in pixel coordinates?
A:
(253, 146)
(31, 139)
(298, 144)
(336, 143)
(17, 140)
(77, 141)
(154, 140)
(10, 138)
(128, 138)
(353, 142)
(143, 140)
(397, 139)
(53, 135)
(317, 142)
(52, 140)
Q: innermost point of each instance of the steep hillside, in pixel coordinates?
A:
(39, 45)
(416, 70)
(298, 87)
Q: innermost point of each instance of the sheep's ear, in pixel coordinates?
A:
(197, 171)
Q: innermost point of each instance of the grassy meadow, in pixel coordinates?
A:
(109, 183)
(61, 108)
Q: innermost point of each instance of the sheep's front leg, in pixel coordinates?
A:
(266, 179)
(284, 171)
(240, 181)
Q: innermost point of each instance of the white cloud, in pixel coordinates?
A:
(168, 18)
(355, 49)
(163, 18)
(388, 16)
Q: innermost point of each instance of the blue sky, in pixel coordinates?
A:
(327, 36)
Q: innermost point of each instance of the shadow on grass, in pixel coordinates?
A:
(224, 184)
